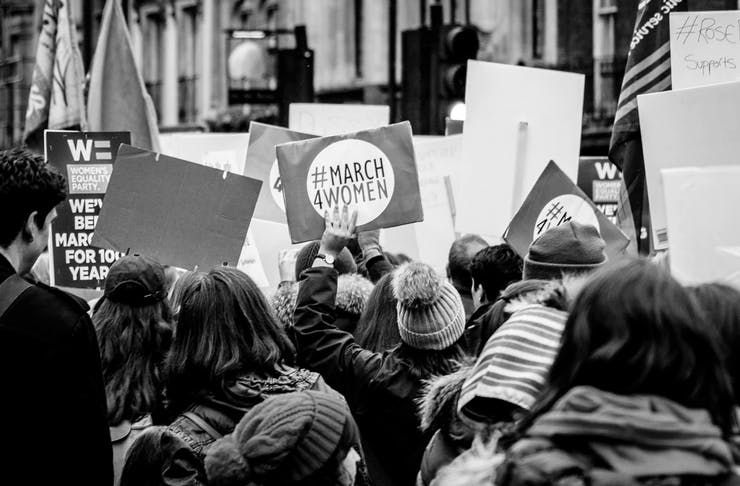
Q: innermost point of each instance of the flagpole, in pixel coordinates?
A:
(87, 32)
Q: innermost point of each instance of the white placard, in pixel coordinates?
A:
(518, 119)
(701, 208)
(704, 48)
(686, 128)
(335, 119)
(224, 151)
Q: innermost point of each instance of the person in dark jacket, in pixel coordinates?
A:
(381, 388)
(228, 355)
(55, 429)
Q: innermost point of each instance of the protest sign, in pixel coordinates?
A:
(599, 179)
(439, 156)
(372, 171)
(517, 119)
(262, 165)
(704, 48)
(686, 128)
(223, 151)
(250, 262)
(701, 208)
(555, 200)
(86, 160)
(180, 213)
(336, 119)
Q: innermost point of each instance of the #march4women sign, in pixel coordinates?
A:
(372, 171)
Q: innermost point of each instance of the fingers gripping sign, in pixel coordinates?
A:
(339, 229)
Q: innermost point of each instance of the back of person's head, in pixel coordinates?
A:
(634, 330)
(28, 186)
(303, 438)
(461, 254)
(721, 305)
(377, 329)
(157, 458)
(431, 319)
(494, 268)
(570, 248)
(133, 323)
(344, 263)
(224, 327)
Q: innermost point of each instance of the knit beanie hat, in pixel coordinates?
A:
(430, 311)
(514, 363)
(344, 263)
(283, 440)
(570, 247)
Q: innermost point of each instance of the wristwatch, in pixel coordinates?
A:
(327, 258)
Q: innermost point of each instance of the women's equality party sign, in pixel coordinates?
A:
(372, 171)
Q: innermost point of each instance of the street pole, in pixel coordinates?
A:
(87, 33)
(392, 31)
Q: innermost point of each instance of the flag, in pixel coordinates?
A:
(56, 99)
(118, 99)
(648, 71)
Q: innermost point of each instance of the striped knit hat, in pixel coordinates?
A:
(430, 311)
(283, 440)
(515, 362)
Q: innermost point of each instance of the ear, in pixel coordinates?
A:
(30, 229)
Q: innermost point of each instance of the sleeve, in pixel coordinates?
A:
(323, 348)
(377, 267)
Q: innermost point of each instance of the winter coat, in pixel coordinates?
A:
(52, 391)
(438, 413)
(595, 437)
(380, 389)
(122, 436)
(215, 414)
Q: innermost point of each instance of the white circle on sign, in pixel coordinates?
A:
(562, 209)
(276, 186)
(354, 173)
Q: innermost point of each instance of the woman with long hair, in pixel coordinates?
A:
(637, 392)
(228, 355)
(133, 323)
(377, 329)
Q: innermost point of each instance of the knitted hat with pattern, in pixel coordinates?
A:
(283, 440)
(430, 311)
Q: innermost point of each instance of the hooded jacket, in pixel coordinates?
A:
(594, 437)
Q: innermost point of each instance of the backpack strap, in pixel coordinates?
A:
(207, 428)
(10, 290)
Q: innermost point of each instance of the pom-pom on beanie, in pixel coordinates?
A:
(283, 440)
(430, 311)
(571, 247)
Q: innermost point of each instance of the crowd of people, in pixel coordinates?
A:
(364, 367)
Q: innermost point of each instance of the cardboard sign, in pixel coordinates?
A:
(517, 119)
(336, 119)
(86, 160)
(686, 128)
(599, 179)
(701, 209)
(555, 200)
(223, 151)
(705, 48)
(262, 165)
(180, 213)
(372, 171)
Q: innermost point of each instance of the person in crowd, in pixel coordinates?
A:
(492, 270)
(381, 389)
(50, 370)
(228, 355)
(461, 255)
(566, 252)
(304, 438)
(637, 394)
(133, 322)
(377, 329)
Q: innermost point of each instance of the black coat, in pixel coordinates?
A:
(379, 388)
(52, 403)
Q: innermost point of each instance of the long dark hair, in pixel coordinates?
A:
(721, 303)
(377, 329)
(133, 343)
(635, 330)
(224, 327)
(423, 364)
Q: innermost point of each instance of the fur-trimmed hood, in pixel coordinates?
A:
(557, 294)
(437, 400)
(353, 290)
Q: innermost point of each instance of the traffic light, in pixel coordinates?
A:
(434, 62)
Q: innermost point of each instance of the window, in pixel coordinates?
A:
(538, 28)
(188, 45)
(153, 59)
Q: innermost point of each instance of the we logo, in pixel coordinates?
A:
(83, 149)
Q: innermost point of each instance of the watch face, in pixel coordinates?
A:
(329, 259)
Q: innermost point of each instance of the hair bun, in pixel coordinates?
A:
(224, 464)
(416, 284)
